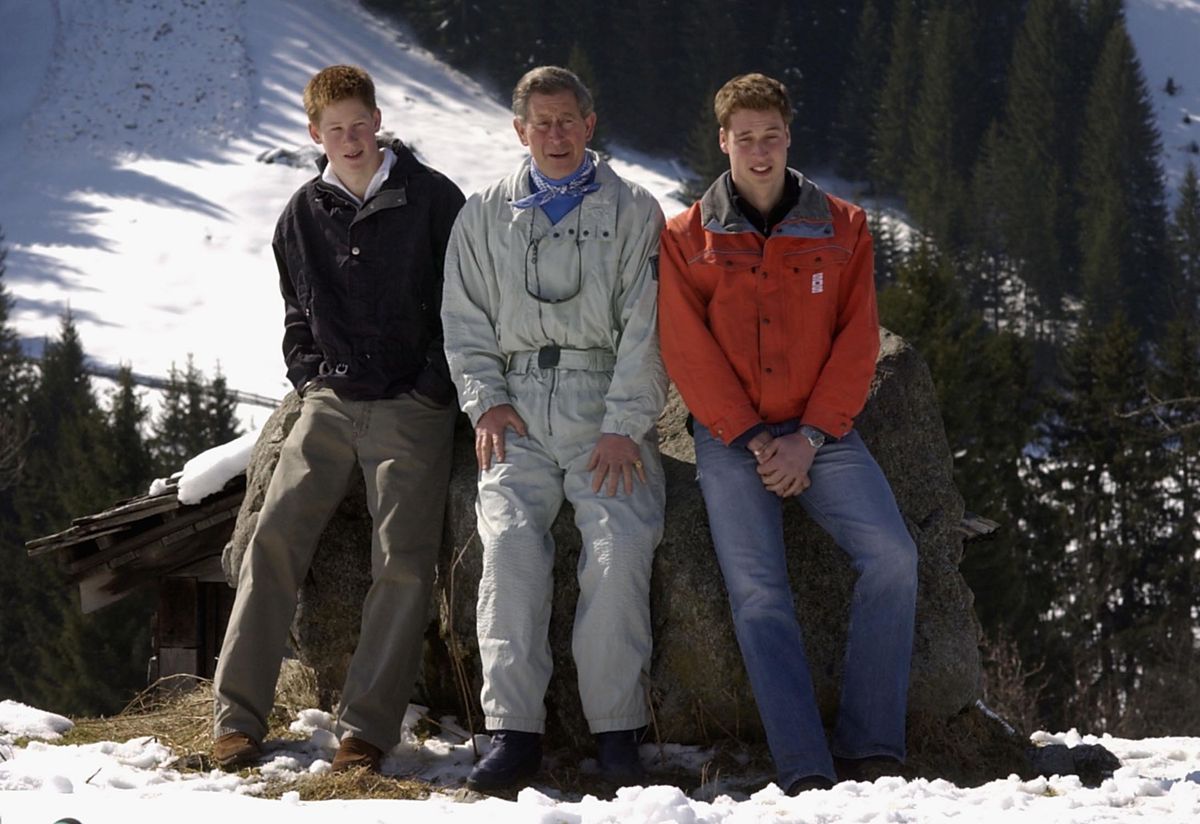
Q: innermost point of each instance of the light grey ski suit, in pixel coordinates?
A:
(515, 287)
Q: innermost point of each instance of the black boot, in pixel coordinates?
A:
(514, 758)
(617, 753)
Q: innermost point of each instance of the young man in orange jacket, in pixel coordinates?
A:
(769, 328)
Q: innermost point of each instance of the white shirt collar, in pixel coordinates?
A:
(381, 174)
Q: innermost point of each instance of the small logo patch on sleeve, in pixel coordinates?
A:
(818, 283)
(654, 267)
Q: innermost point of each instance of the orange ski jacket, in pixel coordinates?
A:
(761, 329)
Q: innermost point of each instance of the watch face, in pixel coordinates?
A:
(814, 436)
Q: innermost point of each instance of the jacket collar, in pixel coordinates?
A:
(598, 210)
(809, 218)
(393, 192)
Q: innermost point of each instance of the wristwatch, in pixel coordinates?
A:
(814, 436)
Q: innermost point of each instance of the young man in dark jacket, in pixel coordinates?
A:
(360, 251)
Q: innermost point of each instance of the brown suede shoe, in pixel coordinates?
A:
(353, 753)
(235, 749)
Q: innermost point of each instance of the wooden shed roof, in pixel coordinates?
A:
(140, 540)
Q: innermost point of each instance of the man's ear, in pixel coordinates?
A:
(589, 123)
(520, 127)
(313, 133)
(722, 140)
(377, 120)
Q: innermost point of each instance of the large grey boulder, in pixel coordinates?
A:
(697, 684)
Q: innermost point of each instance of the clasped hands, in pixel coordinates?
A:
(616, 459)
(783, 462)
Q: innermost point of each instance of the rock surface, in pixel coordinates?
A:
(697, 683)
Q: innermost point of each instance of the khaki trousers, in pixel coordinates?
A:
(403, 447)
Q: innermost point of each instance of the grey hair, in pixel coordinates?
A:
(549, 80)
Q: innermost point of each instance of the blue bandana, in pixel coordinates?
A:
(580, 183)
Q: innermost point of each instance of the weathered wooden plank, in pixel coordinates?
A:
(225, 505)
(44, 546)
(178, 661)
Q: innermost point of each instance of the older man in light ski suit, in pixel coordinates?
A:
(550, 316)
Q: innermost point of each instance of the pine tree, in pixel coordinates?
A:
(860, 96)
(891, 139)
(14, 434)
(221, 412)
(1184, 245)
(1109, 460)
(66, 476)
(169, 438)
(131, 466)
(888, 250)
(1122, 215)
(1175, 385)
(14, 383)
(1035, 157)
(986, 394)
(68, 437)
(817, 46)
(987, 285)
(196, 418)
(943, 133)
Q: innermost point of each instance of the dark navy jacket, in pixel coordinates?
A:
(362, 287)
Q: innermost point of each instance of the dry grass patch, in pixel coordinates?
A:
(177, 711)
(353, 784)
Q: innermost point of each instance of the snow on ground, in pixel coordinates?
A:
(135, 781)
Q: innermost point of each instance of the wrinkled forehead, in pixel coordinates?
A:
(553, 104)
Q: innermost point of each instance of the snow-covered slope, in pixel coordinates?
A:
(1167, 36)
(130, 131)
(132, 193)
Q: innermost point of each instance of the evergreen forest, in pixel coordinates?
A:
(69, 448)
(1052, 284)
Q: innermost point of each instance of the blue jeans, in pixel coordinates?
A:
(852, 501)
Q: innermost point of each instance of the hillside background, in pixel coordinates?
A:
(1029, 167)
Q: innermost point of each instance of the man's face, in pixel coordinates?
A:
(556, 132)
(756, 141)
(347, 132)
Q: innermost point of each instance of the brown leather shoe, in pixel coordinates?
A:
(235, 749)
(353, 753)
